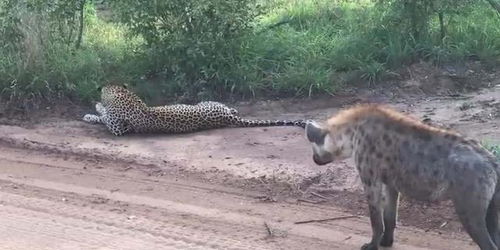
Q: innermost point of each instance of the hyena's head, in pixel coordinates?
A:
(329, 144)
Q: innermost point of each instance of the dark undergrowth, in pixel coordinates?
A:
(212, 49)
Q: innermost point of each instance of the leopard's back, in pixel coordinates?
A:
(180, 118)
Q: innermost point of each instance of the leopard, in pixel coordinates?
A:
(397, 155)
(124, 112)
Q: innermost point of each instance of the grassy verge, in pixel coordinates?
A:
(41, 69)
(296, 48)
(495, 149)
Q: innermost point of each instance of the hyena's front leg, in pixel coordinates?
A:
(472, 211)
(390, 205)
(492, 222)
(373, 191)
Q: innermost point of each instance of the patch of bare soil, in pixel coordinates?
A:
(53, 202)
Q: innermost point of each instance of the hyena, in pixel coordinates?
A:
(396, 154)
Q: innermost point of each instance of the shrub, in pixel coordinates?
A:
(194, 43)
(42, 61)
(214, 49)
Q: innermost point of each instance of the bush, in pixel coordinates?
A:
(41, 61)
(37, 35)
(214, 49)
(194, 43)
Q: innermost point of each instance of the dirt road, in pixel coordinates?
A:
(52, 202)
(65, 184)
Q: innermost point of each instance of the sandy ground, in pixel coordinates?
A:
(65, 184)
(53, 202)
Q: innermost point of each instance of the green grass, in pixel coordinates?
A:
(493, 148)
(476, 34)
(307, 47)
(297, 48)
(48, 70)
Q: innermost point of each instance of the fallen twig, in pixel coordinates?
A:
(269, 231)
(319, 195)
(266, 198)
(310, 201)
(329, 219)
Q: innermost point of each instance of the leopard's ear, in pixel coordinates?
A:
(99, 88)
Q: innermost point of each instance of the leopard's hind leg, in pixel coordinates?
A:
(117, 126)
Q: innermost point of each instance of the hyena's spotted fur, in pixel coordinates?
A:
(396, 154)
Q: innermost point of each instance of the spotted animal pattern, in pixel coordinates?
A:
(124, 112)
(396, 154)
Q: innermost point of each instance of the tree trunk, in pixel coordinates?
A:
(80, 31)
(414, 19)
(495, 5)
(441, 25)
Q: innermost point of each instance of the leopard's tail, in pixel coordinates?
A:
(268, 123)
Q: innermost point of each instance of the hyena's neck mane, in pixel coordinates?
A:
(389, 117)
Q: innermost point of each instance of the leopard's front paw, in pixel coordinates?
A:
(91, 118)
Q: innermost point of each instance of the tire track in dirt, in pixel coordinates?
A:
(52, 203)
(101, 227)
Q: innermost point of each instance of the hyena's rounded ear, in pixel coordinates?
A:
(315, 133)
